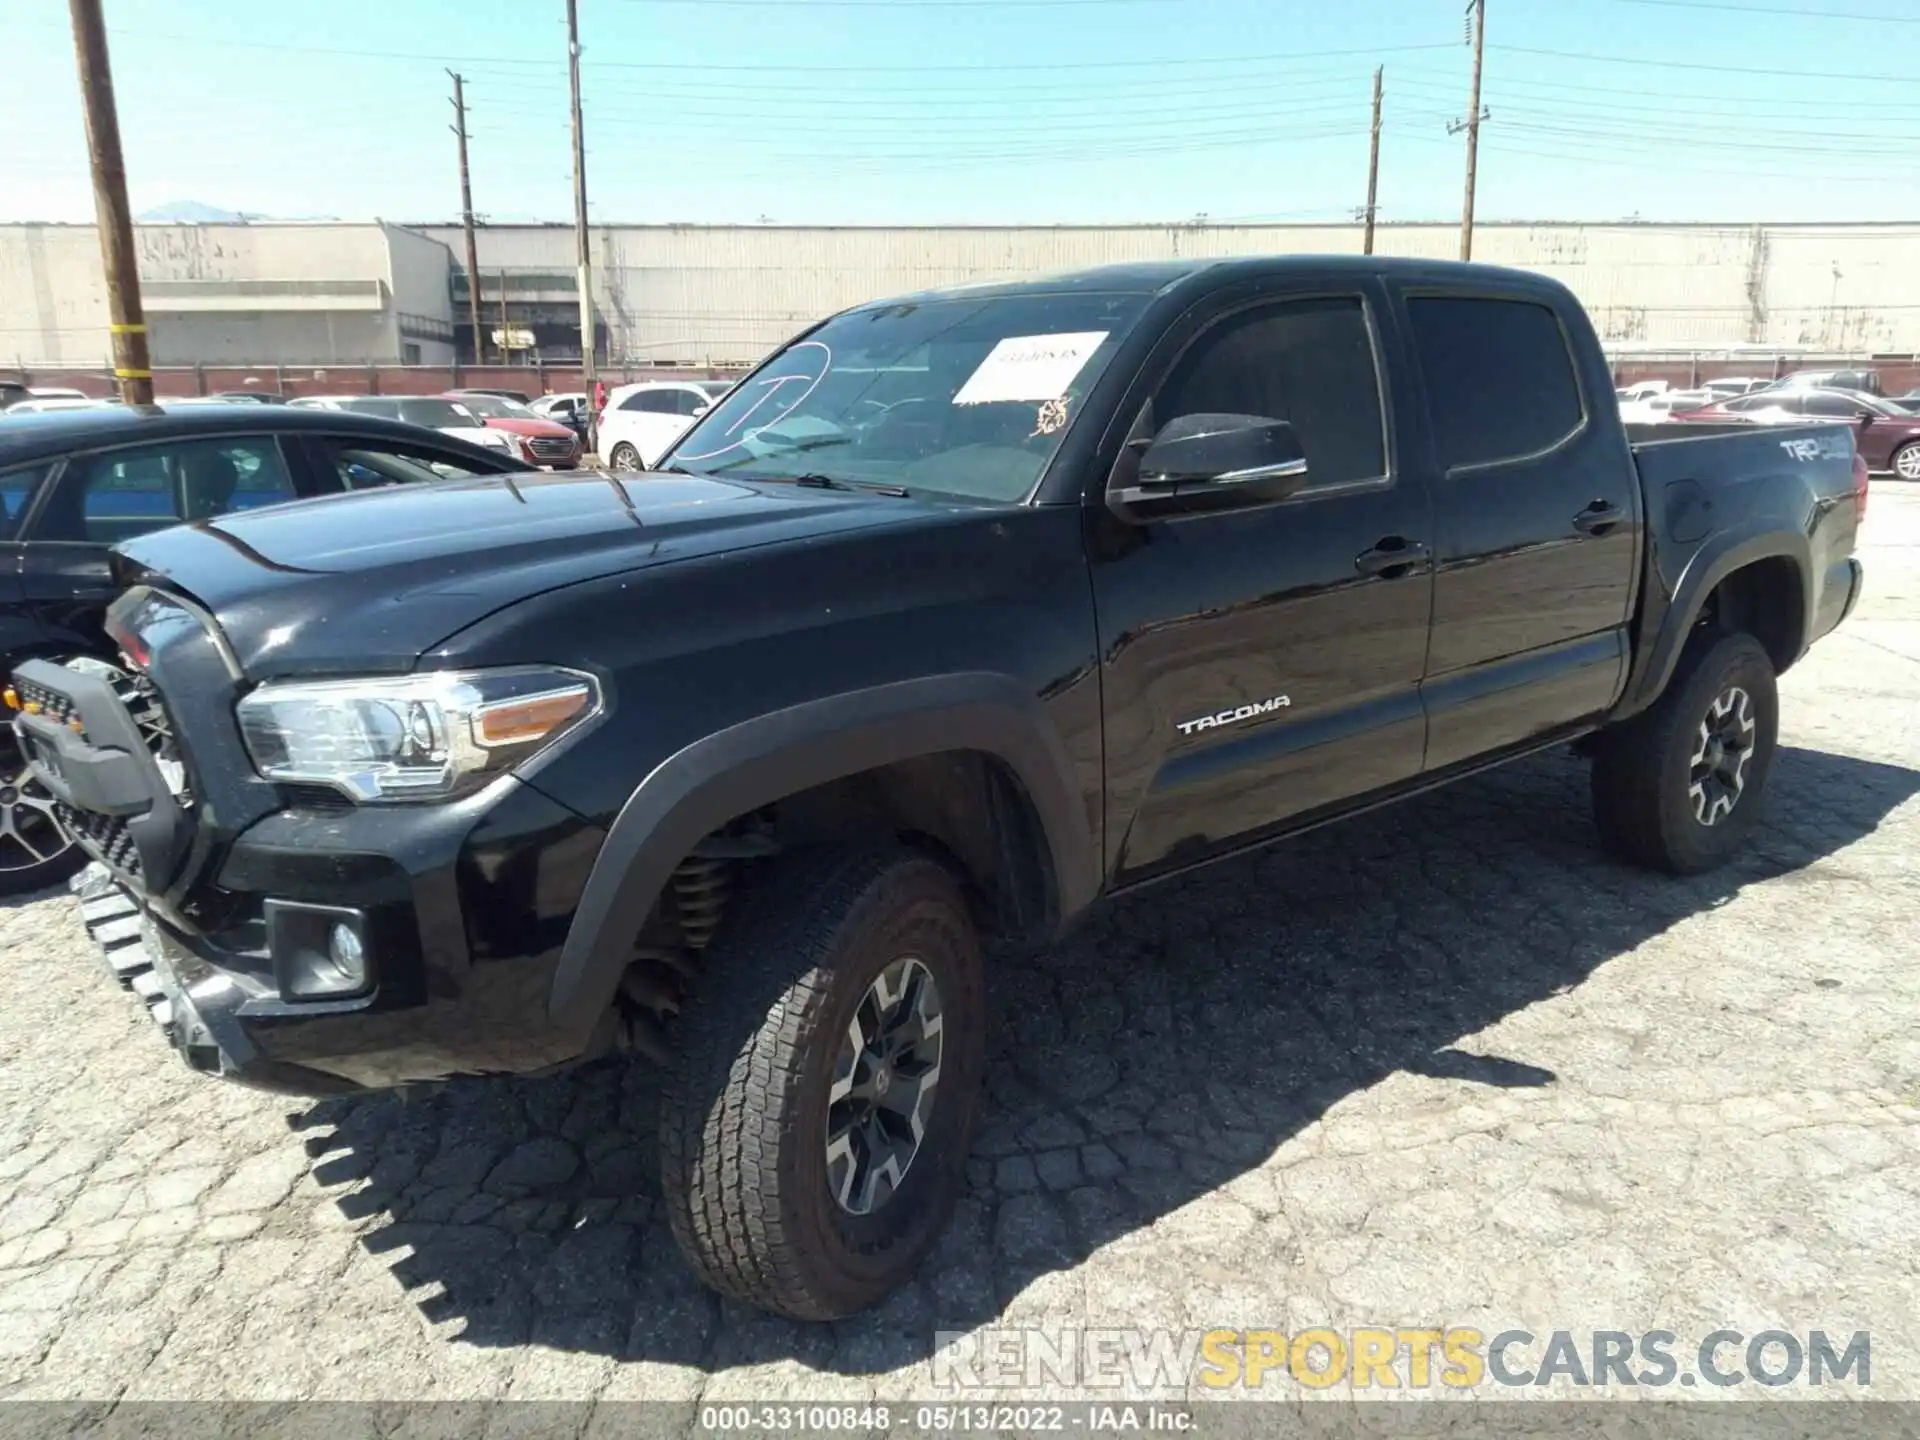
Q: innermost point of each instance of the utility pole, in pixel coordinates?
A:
(132, 370)
(1373, 161)
(466, 218)
(504, 331)
(583, 256)
(1477, 18)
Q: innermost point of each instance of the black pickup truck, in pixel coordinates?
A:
(962, 612)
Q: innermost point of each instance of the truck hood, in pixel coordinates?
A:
(370, 581)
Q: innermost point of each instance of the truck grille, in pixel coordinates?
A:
(108, 832)
(552, 447)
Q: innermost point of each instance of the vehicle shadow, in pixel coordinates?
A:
(1165, 1049)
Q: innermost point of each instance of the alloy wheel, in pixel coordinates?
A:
(624, 457)
(1907, 463)
(29, 834)
(1718, 768)
(885, 1075)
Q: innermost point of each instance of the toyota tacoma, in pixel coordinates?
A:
(962, 613)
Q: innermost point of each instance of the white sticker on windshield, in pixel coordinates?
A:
(1030, 367)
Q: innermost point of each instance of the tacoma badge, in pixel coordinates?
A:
(1235, 715)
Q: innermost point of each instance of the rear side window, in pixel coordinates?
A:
(653, 402)
(1308, 362)
(1500, 379)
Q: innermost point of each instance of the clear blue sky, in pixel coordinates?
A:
(928, 111)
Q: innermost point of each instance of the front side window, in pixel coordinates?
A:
(1499, 377)
(17, 489)
(372, 465)
(1834, 407)
(117, 495)
(1308, 362)
(962, 397)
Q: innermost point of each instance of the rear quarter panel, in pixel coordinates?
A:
(1720, 497)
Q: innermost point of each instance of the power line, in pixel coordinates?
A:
(905, 5)
(1773, 10)
(1853, 75)
(1439, 86)
(467, 61)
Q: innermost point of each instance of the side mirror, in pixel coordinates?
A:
(1199, 463)
(701, 411)
(1866, 417)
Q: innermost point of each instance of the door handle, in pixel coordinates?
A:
(1392, 558)
(1598, 518)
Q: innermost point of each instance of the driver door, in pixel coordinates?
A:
(1263, 665)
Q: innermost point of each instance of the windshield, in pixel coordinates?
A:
(495, 407)
(961, 397)
(433, 414)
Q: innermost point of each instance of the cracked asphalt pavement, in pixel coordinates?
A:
(1444, 1065)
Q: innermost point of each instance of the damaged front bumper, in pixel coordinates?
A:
(195, 1005)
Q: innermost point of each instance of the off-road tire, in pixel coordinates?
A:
(1641, 769)
(744, 1109)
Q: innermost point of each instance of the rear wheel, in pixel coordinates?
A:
(1906, 461)
(1679, 786)
(625, 457)
(814, 1127)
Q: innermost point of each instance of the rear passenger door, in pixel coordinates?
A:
(1536, 520)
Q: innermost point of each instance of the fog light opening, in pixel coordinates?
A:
(319, 951)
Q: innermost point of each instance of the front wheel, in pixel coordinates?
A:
(35, 849)
(1679, 786)
(625, 457)
(1906, 461)
(814, 1128)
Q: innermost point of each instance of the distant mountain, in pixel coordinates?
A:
(192, 212)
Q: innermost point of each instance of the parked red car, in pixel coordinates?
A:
(538, 441)
(1887, 437)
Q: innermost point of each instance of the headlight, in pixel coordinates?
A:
(412, 737)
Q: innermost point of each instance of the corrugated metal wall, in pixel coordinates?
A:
(727, 293)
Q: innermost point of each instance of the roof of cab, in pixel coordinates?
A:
(1156, 277)
(55, 432)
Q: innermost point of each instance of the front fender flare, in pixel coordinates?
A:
(734, 771)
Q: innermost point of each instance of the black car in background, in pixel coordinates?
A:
(75, 483)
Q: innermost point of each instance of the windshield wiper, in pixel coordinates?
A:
(829, 482)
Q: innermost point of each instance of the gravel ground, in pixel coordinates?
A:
(1445, 1065)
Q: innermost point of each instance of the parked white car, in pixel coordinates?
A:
(449, 417)
(641, 421)
(40, 404)
(564, 407)
(1641, 390)
(1658, 409)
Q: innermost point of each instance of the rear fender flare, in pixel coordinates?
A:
(1720, 556)
(737, 770)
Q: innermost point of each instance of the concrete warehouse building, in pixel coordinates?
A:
(693, 294)
(232, 294)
